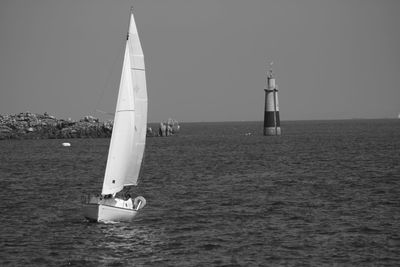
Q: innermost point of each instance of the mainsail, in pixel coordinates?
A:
(129, 131)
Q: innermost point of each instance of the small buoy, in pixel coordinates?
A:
(66, 144)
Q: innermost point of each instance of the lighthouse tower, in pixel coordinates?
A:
(272, 124)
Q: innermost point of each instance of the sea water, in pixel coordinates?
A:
(218, 194)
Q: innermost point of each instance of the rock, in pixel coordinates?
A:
(162, 131)
(149, 132)
(5, 129)
(42, 126)
(168, 128)
(5, 132)
(37, 126)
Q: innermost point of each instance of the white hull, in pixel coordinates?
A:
(99, 209)
(103, 213)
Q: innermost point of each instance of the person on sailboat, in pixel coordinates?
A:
(128, 200)
(127, 195)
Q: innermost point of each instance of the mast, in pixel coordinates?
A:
(129, 131)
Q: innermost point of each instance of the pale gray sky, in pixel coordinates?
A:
(206, 60)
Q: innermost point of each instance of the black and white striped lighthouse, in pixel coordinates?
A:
(272, 124)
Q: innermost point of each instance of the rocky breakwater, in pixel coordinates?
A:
(37, 126)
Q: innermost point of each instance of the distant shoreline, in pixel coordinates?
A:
(27, 125)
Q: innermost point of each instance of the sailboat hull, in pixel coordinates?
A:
(105, 213)
(99, 209)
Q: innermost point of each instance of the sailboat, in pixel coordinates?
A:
(127, 143)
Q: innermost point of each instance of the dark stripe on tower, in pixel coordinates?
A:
(269, 119)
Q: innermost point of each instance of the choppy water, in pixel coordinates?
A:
(324, 193)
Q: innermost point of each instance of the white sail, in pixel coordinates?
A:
(129, 131)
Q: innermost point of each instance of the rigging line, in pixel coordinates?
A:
(106, 113)
(108, 78)
(140, 174)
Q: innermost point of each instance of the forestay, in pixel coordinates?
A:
(129, 131)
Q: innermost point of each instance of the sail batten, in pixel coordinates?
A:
(129, 131)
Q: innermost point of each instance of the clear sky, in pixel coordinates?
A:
(205, 59)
